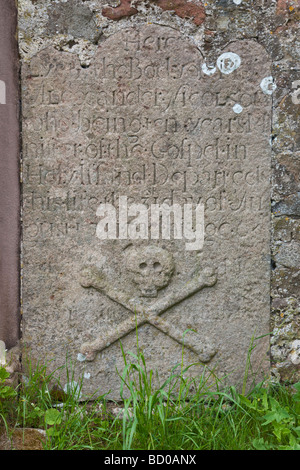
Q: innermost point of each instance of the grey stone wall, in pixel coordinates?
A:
(79, 27)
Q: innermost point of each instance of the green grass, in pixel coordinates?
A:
(180, 414)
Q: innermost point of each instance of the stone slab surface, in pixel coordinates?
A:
(149, 121)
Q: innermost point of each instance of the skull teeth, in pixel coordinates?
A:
(151, 292)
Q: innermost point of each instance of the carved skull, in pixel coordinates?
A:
(151, 268)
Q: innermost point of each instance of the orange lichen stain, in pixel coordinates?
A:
(182, 8)
(283, 6)
(208, 32)
(122, 10)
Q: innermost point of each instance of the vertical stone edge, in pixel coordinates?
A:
(10, 194)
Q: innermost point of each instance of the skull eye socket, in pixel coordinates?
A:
(143, 266)
(157, 266)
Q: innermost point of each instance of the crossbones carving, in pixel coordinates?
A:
(91, 276)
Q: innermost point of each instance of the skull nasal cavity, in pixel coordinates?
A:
(157, 266)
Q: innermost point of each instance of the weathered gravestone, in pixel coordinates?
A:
(108, 150)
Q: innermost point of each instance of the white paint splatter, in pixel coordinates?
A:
(228, 62)
(208, 70)
(237, 2)
(296, 93)
(237, 108)
(81, 357)
(268, 85)
(72, 388)
(2, 92)
(295, 353)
